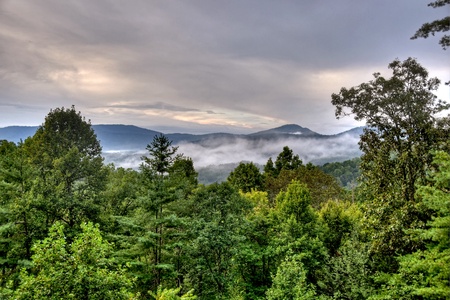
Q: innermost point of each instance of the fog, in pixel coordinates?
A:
(125, 158)
(224, 151)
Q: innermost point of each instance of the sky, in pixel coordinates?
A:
(204, 66)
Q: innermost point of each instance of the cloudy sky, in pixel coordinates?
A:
(203, 65)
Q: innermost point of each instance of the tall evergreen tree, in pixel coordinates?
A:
(167, 178)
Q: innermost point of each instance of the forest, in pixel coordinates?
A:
(72, 227)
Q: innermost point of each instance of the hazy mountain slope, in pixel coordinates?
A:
(17, 133)
(123, 137)
(124, 145)
(357, 131)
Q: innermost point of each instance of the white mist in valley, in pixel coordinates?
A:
(226, 151)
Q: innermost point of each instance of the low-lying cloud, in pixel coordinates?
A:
(225, 151)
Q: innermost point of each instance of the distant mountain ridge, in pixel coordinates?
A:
(130, 137)
(124, 145)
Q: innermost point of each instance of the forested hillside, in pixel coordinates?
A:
(346, 172)
(73, 227)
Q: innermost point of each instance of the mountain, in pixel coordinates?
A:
(17, 133)
(124, 145)
(129, 137)
(289, 129)
(123, 137)
(111, 137)
(357, 131)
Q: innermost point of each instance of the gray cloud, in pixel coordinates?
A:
(156, 105)
(255, 64)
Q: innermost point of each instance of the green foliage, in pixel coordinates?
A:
(79, 270)
(183, 174)
(246, 177)
(296, 202)
(286, 160)
(297, 231)
(183, 169)
(162, 155)
(216, 238)
(172, 294)
(436, 26)
(322, 187)
(17, 218)
(269, 168)
(346, 172)
(295, 238)
(289, 167)
(424, 274)
(402, 129)
(349, 274)
(255, 261)
(167, 179)
(290, 282)
(341, 218)
(121, 192)
(67, 156)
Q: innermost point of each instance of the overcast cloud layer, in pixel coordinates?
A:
(203, 65)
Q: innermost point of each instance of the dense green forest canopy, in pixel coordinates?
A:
(72, 227)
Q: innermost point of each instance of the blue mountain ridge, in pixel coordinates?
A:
(130, 137)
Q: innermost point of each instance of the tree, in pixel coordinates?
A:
(162, 155)
(80, 270)
(183, 174)
(172, 294)
(168, 179)
(340, 219)
(245, 177)
(254, 259)
(269, 168)
(349, 275)
(425, 273)
(346, 172)
(432, 28)
(285, 163)
(290, 282)
(322, 186)
(121, 192)
(71, 175)
(297, 231)
(286, 160)
(216, 237)
(19, 221)
(402, 128)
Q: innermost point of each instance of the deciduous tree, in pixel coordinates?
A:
(71, 175)
(245, 177)
(80, 270)
(401, 113)
(424, 274)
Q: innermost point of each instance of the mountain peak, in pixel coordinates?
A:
(291, 129)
